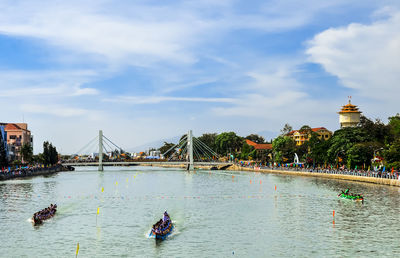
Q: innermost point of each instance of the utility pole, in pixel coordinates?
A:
(100, 150)
(190, 148)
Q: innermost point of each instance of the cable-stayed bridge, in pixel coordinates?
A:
(189, 151)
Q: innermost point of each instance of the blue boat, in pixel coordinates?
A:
(163, 228)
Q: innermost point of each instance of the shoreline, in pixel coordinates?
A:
(40, 172)
(372, 180)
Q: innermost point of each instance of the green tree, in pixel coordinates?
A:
(287, 128)
(394, 125)
(209, 140)
(284, 148)
(247, 151)
(27, 152)
(228, 142)
(255, 138)
(342, 140)
(377, 131)
(360, 154)
(167, 147)
(392, 155)
(50, 154)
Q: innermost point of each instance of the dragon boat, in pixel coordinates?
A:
(163, 228)
(355, 197)
(44, 214)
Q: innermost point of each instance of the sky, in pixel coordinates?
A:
(148, 70)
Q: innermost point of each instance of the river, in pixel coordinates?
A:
(216, 214)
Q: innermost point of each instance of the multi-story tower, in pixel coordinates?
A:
(349, 116)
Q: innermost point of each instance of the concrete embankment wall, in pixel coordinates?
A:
(44, 171)
(374, 180)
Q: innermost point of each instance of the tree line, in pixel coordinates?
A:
(49, 156)
(226, 144)
(354, 147)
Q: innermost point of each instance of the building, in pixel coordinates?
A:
(17, 135)
(260, 147)
(349, 116)
(3, 135)
(300, 137)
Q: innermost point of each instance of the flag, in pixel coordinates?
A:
(384, 168)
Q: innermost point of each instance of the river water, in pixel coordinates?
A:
(216, 214)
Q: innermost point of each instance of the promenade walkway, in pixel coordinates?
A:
(376, 177)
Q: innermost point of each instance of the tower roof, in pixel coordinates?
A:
(349, 108)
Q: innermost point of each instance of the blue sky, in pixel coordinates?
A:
(148, 70)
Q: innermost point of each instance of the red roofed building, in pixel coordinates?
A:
(17, 135)
(301, 137)
(260, 147)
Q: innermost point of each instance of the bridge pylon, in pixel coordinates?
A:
(100, 150)
(190, 150)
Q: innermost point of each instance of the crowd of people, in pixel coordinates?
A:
(44, 214)
(381, 172)
(21, 171)
(162, 224)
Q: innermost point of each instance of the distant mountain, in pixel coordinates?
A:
(268, 135)
(156, 144)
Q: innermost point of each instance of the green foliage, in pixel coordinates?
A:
(209, 140)
(360, 154)
(50, 154)
(228, 143)
(342, 140)
(392, 155)
(167, 146)
(247, 152)
(394, 125)
(377, 131)
(255, 138)
(284, 148)
(27, 152)
(287, 128)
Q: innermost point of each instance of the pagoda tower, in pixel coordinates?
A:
(349, 116)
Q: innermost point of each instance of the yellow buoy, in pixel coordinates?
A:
(77, 250)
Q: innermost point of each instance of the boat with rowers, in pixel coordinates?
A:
(163, 228)
(347, 195)
(44, 214)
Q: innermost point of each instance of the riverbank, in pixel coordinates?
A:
(33, 172)
(373, 180)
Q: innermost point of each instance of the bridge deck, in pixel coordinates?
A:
(136, 163)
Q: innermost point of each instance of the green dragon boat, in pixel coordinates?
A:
(347, 195)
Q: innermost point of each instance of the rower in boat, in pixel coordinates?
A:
(44, 214)
(162, 228)
(347, 195)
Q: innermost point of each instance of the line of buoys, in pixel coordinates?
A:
(275, 187)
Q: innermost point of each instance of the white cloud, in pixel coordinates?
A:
(159, 99)
(364, 57)
(17, 83)
(58, 110)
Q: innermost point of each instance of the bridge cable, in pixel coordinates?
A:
(173, 147)
(113, 143)
(90, 142)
